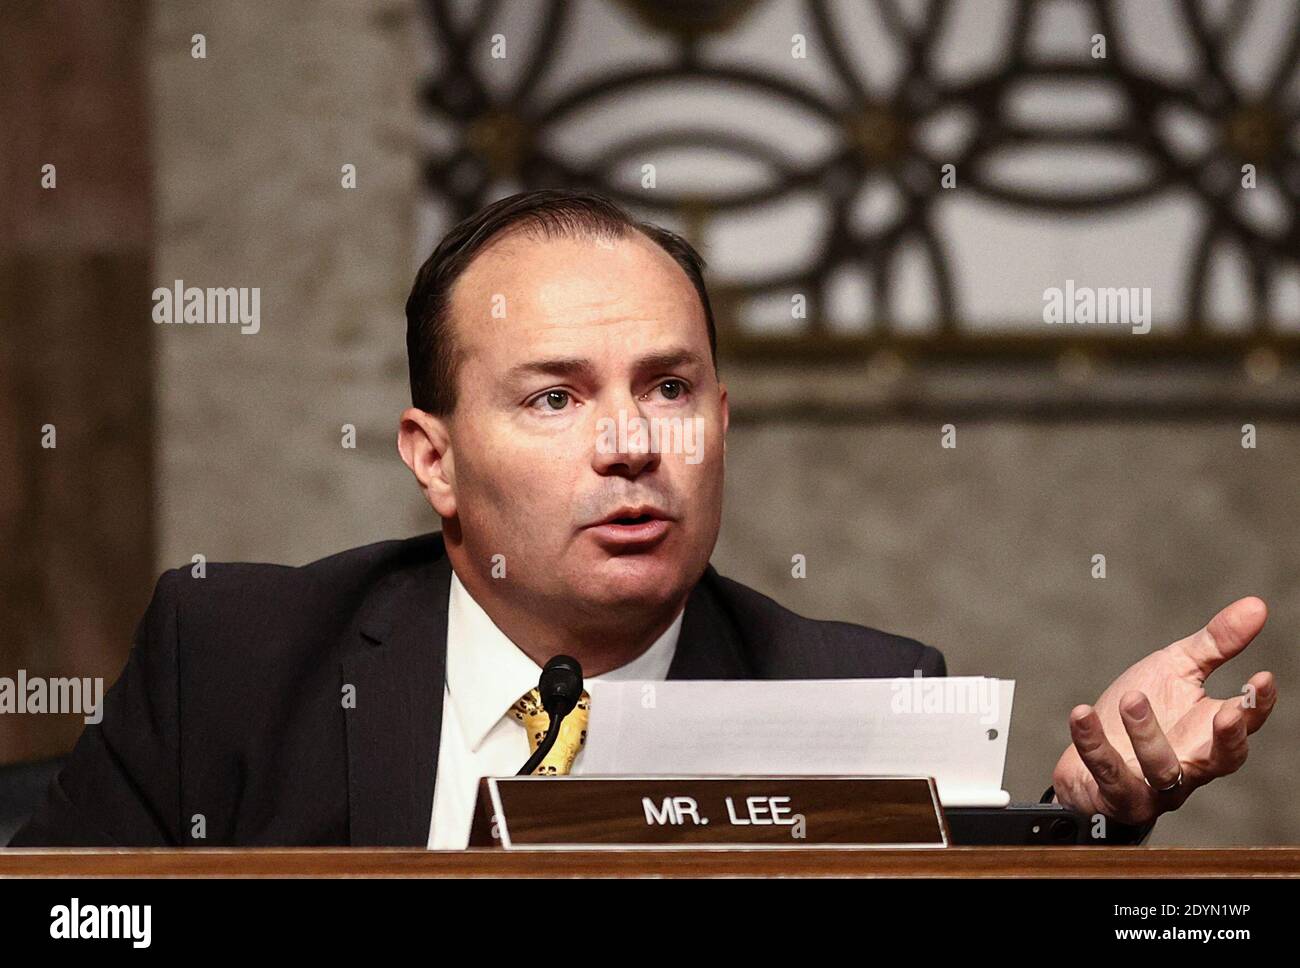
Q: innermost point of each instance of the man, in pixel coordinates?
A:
(358, 699)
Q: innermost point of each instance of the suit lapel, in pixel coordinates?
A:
(398, 670)
(709, 646)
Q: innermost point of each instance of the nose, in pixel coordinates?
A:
(624, 443)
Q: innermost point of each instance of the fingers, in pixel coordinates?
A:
(1229, 746)
(1116, 783)
(1259, 699)
(1225, 635)
(1154, 753)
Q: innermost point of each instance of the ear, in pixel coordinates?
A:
(424, 443)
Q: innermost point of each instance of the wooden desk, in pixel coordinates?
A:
(961, 862)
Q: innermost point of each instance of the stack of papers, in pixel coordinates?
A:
(954, 729)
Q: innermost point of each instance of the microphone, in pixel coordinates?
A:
(560, 686)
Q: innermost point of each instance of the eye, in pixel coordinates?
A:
(672, 389)
(552, 401)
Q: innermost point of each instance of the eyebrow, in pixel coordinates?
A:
(580, 367)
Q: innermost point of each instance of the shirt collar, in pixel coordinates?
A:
(487, 672)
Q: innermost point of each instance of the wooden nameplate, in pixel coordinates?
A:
(775, 812)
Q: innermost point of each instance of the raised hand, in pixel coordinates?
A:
(1154, 736)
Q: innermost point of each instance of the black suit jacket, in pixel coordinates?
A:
(231, 704)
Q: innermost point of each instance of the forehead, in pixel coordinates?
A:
(523, 291)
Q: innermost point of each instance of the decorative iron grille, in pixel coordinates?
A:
(832, 130)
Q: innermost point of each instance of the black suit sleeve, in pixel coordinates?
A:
(932, 662)
(121, 784)
(1122, 834)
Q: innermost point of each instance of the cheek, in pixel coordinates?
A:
(701, 467)
(516, 477)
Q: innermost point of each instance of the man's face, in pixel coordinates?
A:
(575, 356)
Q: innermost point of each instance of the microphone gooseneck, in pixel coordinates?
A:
(560, 686)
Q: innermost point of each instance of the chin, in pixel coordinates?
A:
(644, 581)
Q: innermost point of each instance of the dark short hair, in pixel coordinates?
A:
(430, 337)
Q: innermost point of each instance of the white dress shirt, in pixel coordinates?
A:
(486, 673)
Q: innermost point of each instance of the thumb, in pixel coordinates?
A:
(1225, 635)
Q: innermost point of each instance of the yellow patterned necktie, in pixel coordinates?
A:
(573, 732)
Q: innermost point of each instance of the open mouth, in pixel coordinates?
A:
(639, 519)
(628, 532)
